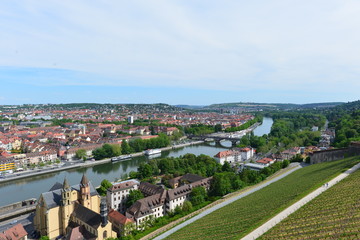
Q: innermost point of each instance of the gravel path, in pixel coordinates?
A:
(278, 218)
(226, 202)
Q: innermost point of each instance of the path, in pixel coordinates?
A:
(278, 218)
(226, 202)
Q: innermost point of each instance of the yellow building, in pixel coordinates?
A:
(6, 165)
(72, 212)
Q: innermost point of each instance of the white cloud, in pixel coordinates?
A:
(230, 45)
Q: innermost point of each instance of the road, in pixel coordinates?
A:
(278, 218)
(228, 201)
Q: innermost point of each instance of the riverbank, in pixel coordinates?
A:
(80, 164)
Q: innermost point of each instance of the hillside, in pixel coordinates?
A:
(242, 216)
(334, 213)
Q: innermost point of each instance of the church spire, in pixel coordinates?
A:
(84, 180)
(66, 184)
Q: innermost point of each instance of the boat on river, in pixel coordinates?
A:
(121, 158)
(152, 151)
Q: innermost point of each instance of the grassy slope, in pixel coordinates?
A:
(241, 217)
(335, 214)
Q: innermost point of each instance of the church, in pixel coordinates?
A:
(72, 212)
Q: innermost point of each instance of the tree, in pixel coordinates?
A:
(220, 184)
(107, 151)
(125, 147)
(80, 154)
(145, 170)
(226, 167)
(218, 128)
(133, 174)
(197, 196)
(105, 184)
(116, 150)
(134, 195)
(187, 206)
(285, 163)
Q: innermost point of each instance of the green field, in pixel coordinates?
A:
(335, 214)
(242, 216)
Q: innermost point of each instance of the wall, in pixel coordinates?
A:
(17, 206)
(335, 154)
(328, 155)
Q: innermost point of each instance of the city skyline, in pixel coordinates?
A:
(196, 53)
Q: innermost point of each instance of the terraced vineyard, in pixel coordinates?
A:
(242, 216)
(335, 214)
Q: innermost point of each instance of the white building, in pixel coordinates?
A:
(247, 153)
(176, 197)
(116, 196)
(160, 201)
(131, 119)
(229, 156)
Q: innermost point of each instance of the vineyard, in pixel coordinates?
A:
(242, 216)
(335, 214)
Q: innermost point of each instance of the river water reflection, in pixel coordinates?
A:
(19, 190)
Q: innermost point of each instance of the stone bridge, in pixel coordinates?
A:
(217, 138)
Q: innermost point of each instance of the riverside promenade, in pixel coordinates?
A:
(285, 213)
(78, 164)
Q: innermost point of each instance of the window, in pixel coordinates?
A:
(105, 234)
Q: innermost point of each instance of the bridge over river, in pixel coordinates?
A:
(218, 137)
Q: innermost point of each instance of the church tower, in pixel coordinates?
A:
(66, 206)
(85, 197)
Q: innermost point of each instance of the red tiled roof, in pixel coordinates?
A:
(14, 233)
(225, 154)
(116, 217)
(265, 160)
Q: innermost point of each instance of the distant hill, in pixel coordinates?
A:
(271, 106)
(190, 106)
(350, 106)
(134, 108)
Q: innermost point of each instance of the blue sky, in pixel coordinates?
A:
(179, 52)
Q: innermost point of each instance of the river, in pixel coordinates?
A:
(32, 187)
(265, 127)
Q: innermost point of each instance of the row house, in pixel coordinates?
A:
(167, 130)
(39, 157)
(290, 153)
(176, 197)
(147, 209)
(6, 164)
(5, 144)
(159, 201)
(71, 152)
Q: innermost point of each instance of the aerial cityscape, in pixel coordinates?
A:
(179, 120)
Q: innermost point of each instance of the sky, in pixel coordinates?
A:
(179, 52)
